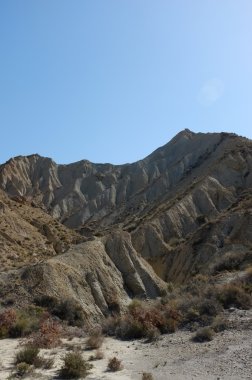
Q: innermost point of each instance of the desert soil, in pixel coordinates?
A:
(175, 357)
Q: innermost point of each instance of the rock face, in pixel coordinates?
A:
(181, 209)
(84, 194)
(90, 273)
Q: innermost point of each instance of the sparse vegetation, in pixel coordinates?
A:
(17, 323)
(196, 305)
(143, 321)
(74, 367)
(68, 310)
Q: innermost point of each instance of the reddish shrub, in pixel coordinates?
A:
(8, 319)
(48, 335)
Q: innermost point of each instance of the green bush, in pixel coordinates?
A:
(75, 367)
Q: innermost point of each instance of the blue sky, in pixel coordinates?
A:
(112, 80)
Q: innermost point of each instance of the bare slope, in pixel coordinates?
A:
(28, 234)
(183, 209)
(105, 194)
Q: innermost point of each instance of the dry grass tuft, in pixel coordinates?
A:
(203, 335)
(114, 364)
(74, 367)
(95, 340)
(147, 376)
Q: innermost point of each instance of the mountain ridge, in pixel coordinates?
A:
(165, 218)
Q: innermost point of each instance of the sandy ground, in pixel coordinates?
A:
(173, 357)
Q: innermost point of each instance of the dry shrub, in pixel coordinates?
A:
(230, 261)
(247, 281)
(114, 364)
(45, 363)
(18, 323)
(193, 305)
(71, 311)
(162, 317)
(196, 286)
(48, 335)
(234, 295)
(48, 302)
(8, 319)
(110, 325)
(220, 324)
(199, 309)
(74, 366)
(148, 316)
(99, 355)
(147, 376)
(203, 335)
(143, 321)
(95, 339)
(172, 318)
(23, 369)
(67, 309)
(27, 355)
(113, 304)
(152, 334)
(129, 328)
(28, 321)
(248, 274)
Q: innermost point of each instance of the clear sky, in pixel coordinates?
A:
(112, 80)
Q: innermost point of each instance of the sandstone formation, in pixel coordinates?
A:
(182, 209)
